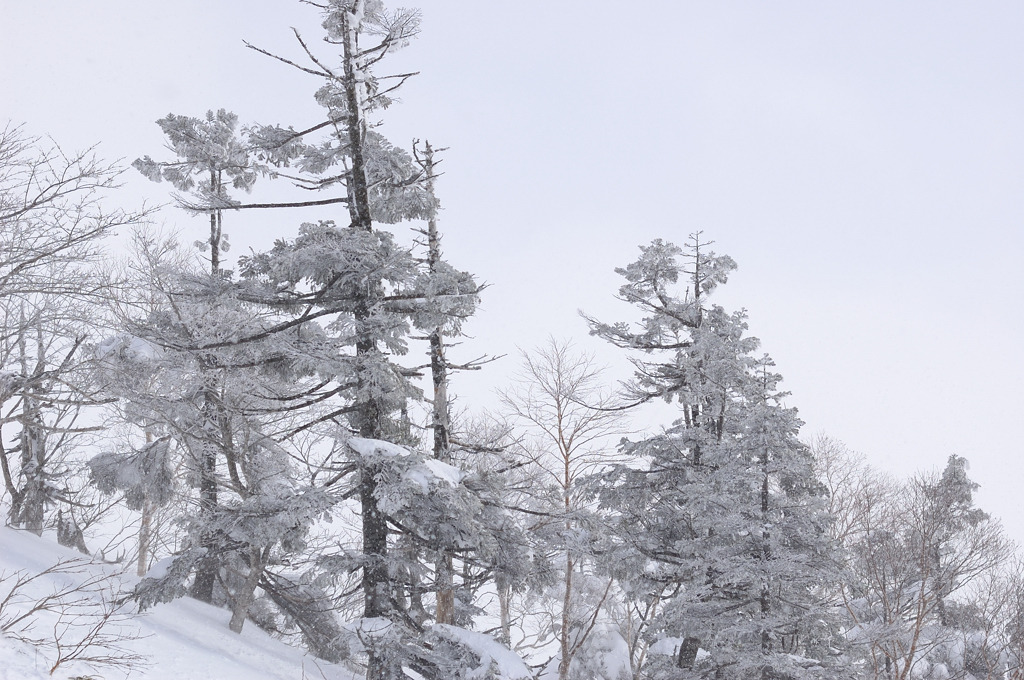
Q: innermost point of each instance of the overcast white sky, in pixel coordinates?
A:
(862, 161)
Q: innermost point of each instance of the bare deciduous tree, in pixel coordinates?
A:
(51, 229)
(559, 397)
(70, 613)
(921, 558)
(854, 487)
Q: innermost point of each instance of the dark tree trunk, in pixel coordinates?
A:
(28, 509)
(359, 195)
(208, 567)
(443, 568)
(205, 452)
(766, 554)
(688, 652)
(376, 582)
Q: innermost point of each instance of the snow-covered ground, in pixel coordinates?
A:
(181, 640)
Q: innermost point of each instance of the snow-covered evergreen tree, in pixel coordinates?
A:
(330, 310)
(222, 412)
(721, 525)
(209, 155)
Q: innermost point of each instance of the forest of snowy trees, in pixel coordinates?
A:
(274, 434)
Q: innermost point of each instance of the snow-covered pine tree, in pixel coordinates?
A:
(213, 156)
(721, 524)
(454, 597)
(350, 295)
(221, 411)
(440, 408)
(209, 155)
(228, 406)
(370, 293)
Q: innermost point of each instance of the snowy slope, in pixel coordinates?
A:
(182, 640)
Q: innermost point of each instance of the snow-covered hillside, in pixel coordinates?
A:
(182, 640)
